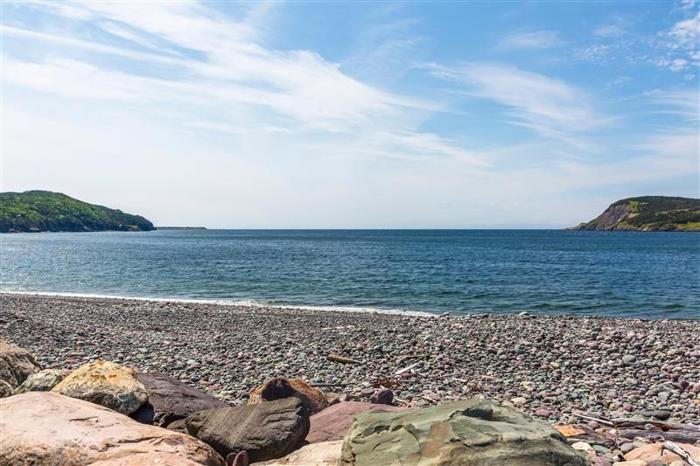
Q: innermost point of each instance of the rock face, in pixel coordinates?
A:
(107, 384)
(280, 387)
(473, 432)
(335, 421)
(266, 431)
(42, 381)
(15, 364)
(46, 429)
(316, 454)
(173, 400)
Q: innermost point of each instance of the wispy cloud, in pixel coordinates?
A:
(544, 104)
(531, 40)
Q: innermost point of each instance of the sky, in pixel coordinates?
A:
(352, 115)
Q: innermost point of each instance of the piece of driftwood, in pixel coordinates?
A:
(680, 451)
(605, 422)
(408, 368)
(342, 359)
(677, 435)
(624, 422)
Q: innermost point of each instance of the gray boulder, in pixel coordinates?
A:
(266, 431)
(474, 432)
(42, 381)
(173, 400)
(15, 364)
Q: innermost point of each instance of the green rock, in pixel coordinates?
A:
(42, 381)
(473, 432)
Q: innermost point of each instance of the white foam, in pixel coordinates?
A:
(253, 304)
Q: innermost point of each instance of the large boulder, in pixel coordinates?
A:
(281, 387)
(473, 432)
(173, 400)
(15, 364)
(105, 383)
(315, 454)
(46, 429)
(334, 422)
(266, 431)
(42, 381)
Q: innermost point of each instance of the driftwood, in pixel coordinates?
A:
(406, 369)
(676, 435)
(624, 422)
(342, 359)
(680, 451)
(649, 429)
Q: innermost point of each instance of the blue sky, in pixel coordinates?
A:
(352, 115)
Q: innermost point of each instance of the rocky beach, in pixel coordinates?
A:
(588, 377)
(546, 366)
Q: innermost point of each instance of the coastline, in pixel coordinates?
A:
(548, 366)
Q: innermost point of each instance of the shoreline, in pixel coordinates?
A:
(253, 304)
(548, 366)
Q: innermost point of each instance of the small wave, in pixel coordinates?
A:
(249, 303)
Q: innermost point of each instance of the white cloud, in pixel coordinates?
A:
(609, 30)
(546, 105)
(531, 40)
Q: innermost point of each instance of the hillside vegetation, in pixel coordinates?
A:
(648, 213)
(48, 211)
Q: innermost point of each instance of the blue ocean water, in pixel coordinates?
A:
(651, 275)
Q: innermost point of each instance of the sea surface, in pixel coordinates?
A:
(649, 275)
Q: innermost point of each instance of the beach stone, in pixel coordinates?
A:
(628, 359)
(105, 383)
(16, 363)
(655, 452)
(47, 429)
(476, 432)
(42, 381)
(173, 400)
(383, 396)
(266, 431)
(661, 414)
(315, 454)
(334, 422)
(314, 400)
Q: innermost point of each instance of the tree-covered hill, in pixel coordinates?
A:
(648, 213)
(49, 211)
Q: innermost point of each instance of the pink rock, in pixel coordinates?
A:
(46, 429)
(333, 422)
(656, 452)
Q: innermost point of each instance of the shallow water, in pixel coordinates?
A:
(651, 275)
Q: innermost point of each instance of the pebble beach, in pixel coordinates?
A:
(550, 366)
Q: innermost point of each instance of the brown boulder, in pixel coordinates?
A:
(313, 399)
(266, 431)
(15, 364)
(335, 421)
(173, 400)
(46, 429)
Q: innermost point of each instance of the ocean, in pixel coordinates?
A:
(622, 274)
